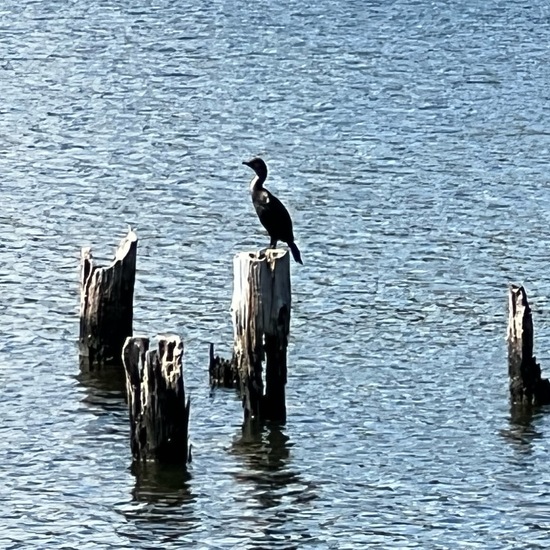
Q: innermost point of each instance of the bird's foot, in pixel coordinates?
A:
(263, 252)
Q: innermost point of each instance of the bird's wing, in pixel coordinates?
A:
(275, 218)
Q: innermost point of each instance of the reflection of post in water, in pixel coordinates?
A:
(266, 456)
(105, 389)
(156, 482)
(266, 447)
(521, 432)
(169, 510)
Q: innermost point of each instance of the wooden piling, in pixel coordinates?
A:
(222, 372)
(261, 319)
(159, 412)
(106, 305)
(527, 387)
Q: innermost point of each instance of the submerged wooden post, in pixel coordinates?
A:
(526, 385)
(159, 412)
(261, 319)
(106, 304)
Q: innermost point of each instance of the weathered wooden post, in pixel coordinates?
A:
(222, 372)
(106, 304)
(159, 412)
(526, 385)
(261, 319)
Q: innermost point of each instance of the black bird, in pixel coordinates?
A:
(271, 211)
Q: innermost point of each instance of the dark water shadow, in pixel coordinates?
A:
(106, 390)
(162, 509)
(168, 484)
(521, 431)
(266, 455)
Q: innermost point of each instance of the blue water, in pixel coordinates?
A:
(409, 140)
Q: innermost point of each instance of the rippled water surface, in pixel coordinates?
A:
(410, 141)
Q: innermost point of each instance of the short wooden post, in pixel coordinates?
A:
(526, 385)
(106, 304)
(261, 319)
(222, 371)
(159, 413)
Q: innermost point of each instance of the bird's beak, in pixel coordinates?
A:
(246, 162)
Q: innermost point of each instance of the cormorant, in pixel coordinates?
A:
(271, 211)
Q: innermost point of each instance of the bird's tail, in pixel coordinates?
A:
(295, 253)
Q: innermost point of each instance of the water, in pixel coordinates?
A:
(410, 141)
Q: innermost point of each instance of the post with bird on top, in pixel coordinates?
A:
(106, 305)
(261, 308)
(261, 321)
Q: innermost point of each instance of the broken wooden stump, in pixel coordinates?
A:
(222, 372)
(106, 304)
(526, 385)
(159, 412)
(261, 320)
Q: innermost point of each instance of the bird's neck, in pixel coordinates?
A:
(257, 183)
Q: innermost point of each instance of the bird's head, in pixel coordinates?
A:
(259, 166)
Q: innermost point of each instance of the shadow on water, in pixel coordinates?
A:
(266, 456)
(521, 431)
(160, 483)
(105, 390)
(281, 492)
(163, 505)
